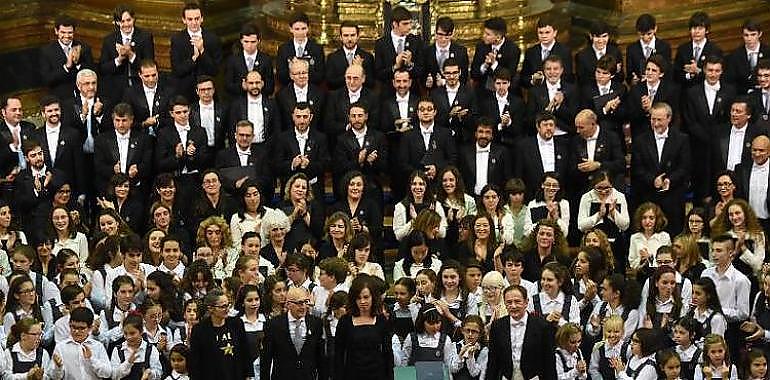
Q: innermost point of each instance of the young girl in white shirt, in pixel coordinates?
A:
(716, 363)
(178, 357)
(555, 286)
(569, 360)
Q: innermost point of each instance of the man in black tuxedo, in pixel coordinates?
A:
(13, 133)
(757, 169)
(348, 54)
(194, 51)
(261, 110)
(248, 58)
(707, 108)
(760, 97)
(300, 90)
(654, 89)
(435, 55)
(123, 151)
(660, 167)
(302, 150)
(301, 355)
(209, 114)
(534, 58)
(149, 101)
(649, 44)
(245, 159)
(691, 55)
(456, 105)
(303, 47)
(554, 95)
(541, 153)
(594, 149)
(520, 344)
(60, 60)
(335, 117)
(428, 147)
(122, 52)
(605, 96)
(741, 65)
(62, 146)
(492, 52)
(31, 186)
(483, 161)
(398, 49)
(586, 59)
(506, 108)
(399, 106)
(731, 141)
(87, 116)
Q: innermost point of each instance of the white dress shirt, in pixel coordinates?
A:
(586, 220)
(76, 366)
(123, 367)
(360, 136)
(426, 133)
(451, 360)
(354, 96)
(243, 156)
(123, 143)
(591, 144)
(639, 241)
(547, 154)
(548, 305)
(250, 58)
(300, 93)
(711, 94)
(302, 140)
(52, 134)
(758, 189)
(256, 116)
(482, 167)
(451, 94)
(149, 96)
(518, 329)
(735, 146)
(208, 121)
(88, 143)
(733, 289)
(403, 105)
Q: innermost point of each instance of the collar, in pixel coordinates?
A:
(63, 46)
(445, 48)
(253, 99)
(206, 106)
(663, 135)
(450, 89)
(292, 319)
(741, 129)
(521, 322)
(500, 45)
(346, 51)
(542, 141)
(756, 50)
(300, 43)
(560, 297)
(553, 87)
(501, 98)
(655, 87)
(714, 88)
(122, 136)
(595, 135)
(11, 126)
(404, 99)
(182, 128)
(359, 134)
(764, 166)
(302, 135)
(548, 47)
(395, 37)
(356, 93)
(239, 151)
(486, 149)
(701, 45)
(195, 34)
(129, 36)
(603, 52)
(148, 89)
(52, 129)
(426, 130)
(300, 89)
(253, 56)
(650, 45)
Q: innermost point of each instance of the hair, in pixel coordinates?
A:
(123, 110)
(457, 267)
(662, 357)
(652, 297)
(335, 267)
(597, 267)
(459, 193)
(614, 322)
(22, 326)
(64, 20)
(723, 223)
(690, 255)
(71, 227)
(82, 314)
(361, 105)
(399, 14)
(299, 17)
(191, 273)
(273, 220)
(446, 24)
(240, 263)
(134, 320)
(648, 340)
(290, 183)
(117, 283)
(360, 283)
(178, 100)
(560, 245)
(339, 215)
(414, 239)
(565, 332)
(227, 239)
(516, 288)
(701, 212)
(169, 297)
(554, 59)
(426, 220)
(753, 354)
(660, 218)
(708, 286)
(608, 63)
(752, 25)
(659, 61)
(103, 252)
(349, 24)
(693, 327)
(69, 293)
(713, 340)
(562, 275)
(544, 21)
(599, 27)
(472, 318)
(12, 304)
(48, 100)
(540, 195)
(337, 300)
(499, 209)
(496, 24)
(270, 284)
(515, 186)
(123, 228)
(700, 19)
(630, 290)
(241, 297)
(361, 240)
(428, 313)
(645, 23)
(428, 196)
(250, 29)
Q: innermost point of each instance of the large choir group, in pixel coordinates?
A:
(180, 226)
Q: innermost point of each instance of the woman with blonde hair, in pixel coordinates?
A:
(306, 215)
(214, 232)
(740, 222)
(275, 227)
(595, 237)
(688, 258)
(492, 306)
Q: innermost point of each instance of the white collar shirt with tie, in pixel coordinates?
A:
(502, 102)
(399, 42)
(451, 94)
(65, 47)
(753, 56)
(604, 90)
(758, 189)
(547, 153)
(482, 167)
(545, 50)
(297, 328)
(243, 155)
(766, 101)
(300, 48)
(652, 90)
(360, 136)
(39, 173)
(442, 53)
(349, 54)
(660, 141)
(302, 139)
(600, 53)
(403, 105)
(15, 131)
(256, 116)
(300, 93)
(354, 96)
(552, 89)
(52, 135)
(250, 59)
(88, 143)
(711, 94)
(648, 49)
(123, 143)
(198, 34)
(518, 330)
(426, 132)
(182, 130)
(697, 50)
(208, 121)
(735, 146)
(591, 144)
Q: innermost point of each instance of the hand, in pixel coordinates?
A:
(147, 374)
(581, 366)
(553, 210)
(84, 111)
(588, 166)
(240, 182)
(644, 254)
(617, 365)
(361, 156)
(103, 203)
(595, 321)
(537, 78)
(553, 317)
(98, 106)
(133, 171)
(372, 156)
(355, 224)
(429, 81)
(558, 99)
(163, 342)
(407, 55)
(692, 67)
(412, 211)
(35, 373)
(490, 58)
(197, 43)
(719, 207)
(86, 352)
(612, 105)
(152, 120)
(658, 181)
(440, 82)
(505, 119)
(296, 161)
(57, 359)
(707, 372)
(647, 322)
(666, 184)
(430, 171)
(646, 103)
(591, 290)
(357, 60)
(97, 321)
(48, 178)
(179, 150)
(305, 162)
(725, 371)
(191, 148)
(353, 269)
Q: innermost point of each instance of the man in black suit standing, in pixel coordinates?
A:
(399, 108)
(594, 149)
(209, 114)
(520, 344)
(303, 47)
(349, 53)
(444, 48)
(660, 167)
(245, 159)
(398, 49)
(492, 52)
(13, 133)
(506, 108)
(483, 161)
(261, 110)
(656, 88)
(149, 101)
(302, 150)
(541, 153)
(60, 60)
(707, 108)
(604, 95)
(335, 117)
(534, 58)
(428, 147)
(554, 95)
(123, 151)
(300, 90)
(194, 51)
(760, 97)
(649, 44)
(587, 58)
(741, 65)
(31, 187)
(691, 55)
(122, 52)
(456, 106)
(62, 146)
(248, 58)
(731, 141)
(300, 356)
(753, 183)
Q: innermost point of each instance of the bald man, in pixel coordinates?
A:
(594, 149)
(754, 180)
(257, 107)
(301, 355)
(338, 104)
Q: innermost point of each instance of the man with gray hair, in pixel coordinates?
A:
(300, 90)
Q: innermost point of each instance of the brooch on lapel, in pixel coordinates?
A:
(406, 44)
(433, 145)
(256, 63)
(62, 143)
(312, 61)
(217, 118)
(310, 101)
(264, 109)
(719, 99)
(599, 148)
(493, 160)
(702, 57)
(451, 55)
(748, 145)
(132, 146)
(761, 55)
(499, 56)
(157, 103)
(411, 109)
(558, 156)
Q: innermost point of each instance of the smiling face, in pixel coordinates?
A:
(515, 303)
(193, 19)
(666, 284)
(417, 188)
(60, 219)
(298, 189)
(736, 215)
(549, 283)
(450, 278)
(545, 237)
(449, 182)
(356, 187)
(481, 228)
(108, 224)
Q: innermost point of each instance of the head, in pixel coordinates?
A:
(250, 36)
(180, 110)
(349, 34)
(654, 69)
(364, 297)
(124, 18)
(358, 115)
(426, 111)
(599, 33)
(297, 302)
(715, 352)
(192, 16)
(302, 116)
(50, 110)
(553, 278)
(516, 300)
(752, 33)
(401, 21)
(492, 286)
(546, 31)
(649, 218)
(122, 117)
(586, 123)
(86, 83)
(64, 27)
(713, 68)
(700, 25)
(452, 185)
(669, 363)
(299, 26)
(402, 82)
(299, 70)
(205, 89)
(148, 73)
(494, 30)
(740, 112)
(451, 71)
(484, 132)
(12, 110)
(253, 82)
(605, 71)
(81, 321)
(217, 304)
(553, 68)
(404, 289)
(502, 83)
(660, 117)
(569, 337)
(354, 77)
(428, 320)
(546, 125)
(760, 149)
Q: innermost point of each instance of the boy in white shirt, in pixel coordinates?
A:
(80, 357)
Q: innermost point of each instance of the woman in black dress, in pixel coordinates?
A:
(362, 342)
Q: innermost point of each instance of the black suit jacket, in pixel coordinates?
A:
(635, 61)
(220, 122)
(30, 205)
(287, 99)
(529, 164)
(760, 116)
(516, 109)
(720, 145)
(184, 70)
(667, 92)
(338, 105)
(280, 360)
(462, 127)
(585, 64)
(314, 54)
(165, 150)
(206, 351)
(499, 165)
(533, 62)
(537, 358)
(257, 166)
(236, 70)
(69, 156)
(413, 155)
(430, 63)
(738, 69)
(684, 54)
(607, 151)
(116, 79)
(743, 174)
(590, 99)
(337, 63)
(700, 122)
(675, 162)
(99, 124)
(239, 110)
(286, 148)
(8, 158)
(390, 112)
(385, 58)
(59, 81)
(565, 115)
(159, 107)
(106, 155)
(508, 56)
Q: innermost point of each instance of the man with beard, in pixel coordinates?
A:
(32, 185)
(484, 161)
(541, 154)
(428, 147)
(350, 53)
(258, 108)
(245, 159)
(61, 60)
(62, 145)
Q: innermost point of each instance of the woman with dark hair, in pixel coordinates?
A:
(364, 212)
(66, 234)
(429, 222)
(9, 236)
(275, 296)
(248, 303)
(219, 346)
(103, 259)
(418, 197)
(603, 207)
(306, 214)
(415, 256)
(620, 296)
(250, 214)
(358, 257)
(160, 287)
(163, 218)
(109, 222)
(456, 202)
(128, 205)
(337, 234)
(492, 205)
(152, 240)
(481, 245)
(198, 280)
(363, 338)
(727, 188)
(664, 304)
(546, 243)
(164, 193)
(697, 228)
(548, 204)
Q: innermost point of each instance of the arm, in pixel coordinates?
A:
(633, 252)
(453, 362)
(121, 369)
(586, 221)
(443, 224)
(563, 221)
(593, 367)
(401, 227)
(99, 362)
